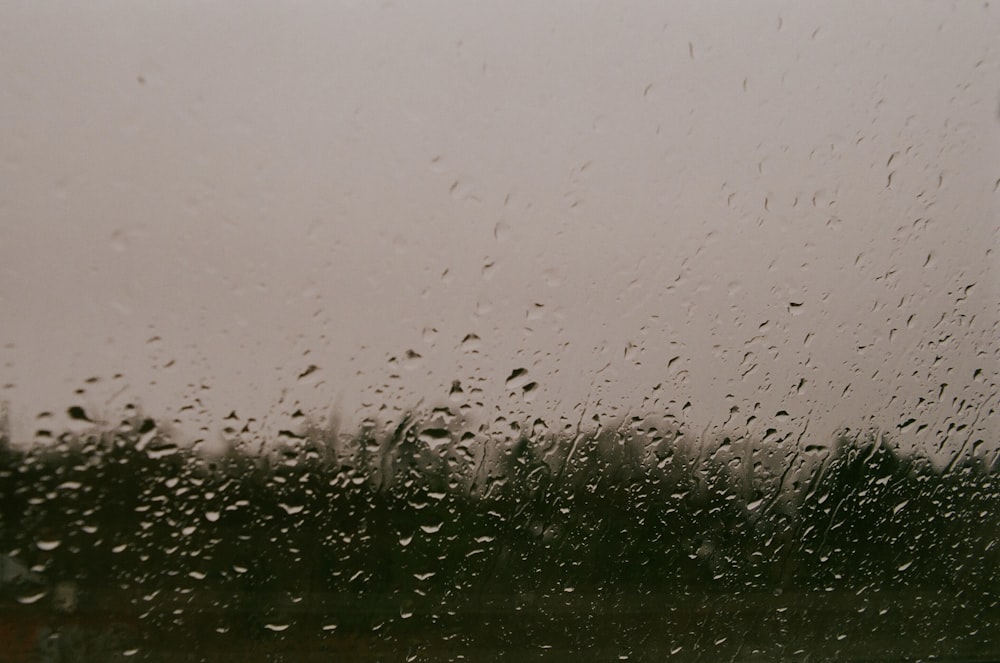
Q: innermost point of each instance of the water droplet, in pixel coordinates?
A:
(48, 544)
(471, 343)
(312, 368)
(435, 437)
(517, 379)
(29, 599)
(77, 413)
(412, 360)
(501, 231)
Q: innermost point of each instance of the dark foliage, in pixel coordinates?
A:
(419, 541)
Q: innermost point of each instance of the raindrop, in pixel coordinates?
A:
(517, 379)
(312, 368)
(48, 544)
(28, 599)
(471, 343)
(77, 413)
(412, 360)
(435, 437)
(277, 628)
(501, 231)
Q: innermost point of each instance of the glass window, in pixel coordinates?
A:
(378, 331)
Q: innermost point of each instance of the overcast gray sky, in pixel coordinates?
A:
(786, 204)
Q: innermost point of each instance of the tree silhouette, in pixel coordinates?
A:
(401, 530)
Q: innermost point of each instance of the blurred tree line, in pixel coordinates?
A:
(419, 525)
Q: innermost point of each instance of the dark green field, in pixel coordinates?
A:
(421, 543)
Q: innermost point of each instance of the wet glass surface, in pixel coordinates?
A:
(424, 541)
(381, 331)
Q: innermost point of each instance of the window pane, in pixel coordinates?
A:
(405, 332)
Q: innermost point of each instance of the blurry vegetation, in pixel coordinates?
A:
(422, 538)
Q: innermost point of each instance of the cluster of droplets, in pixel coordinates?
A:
(405, 535)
